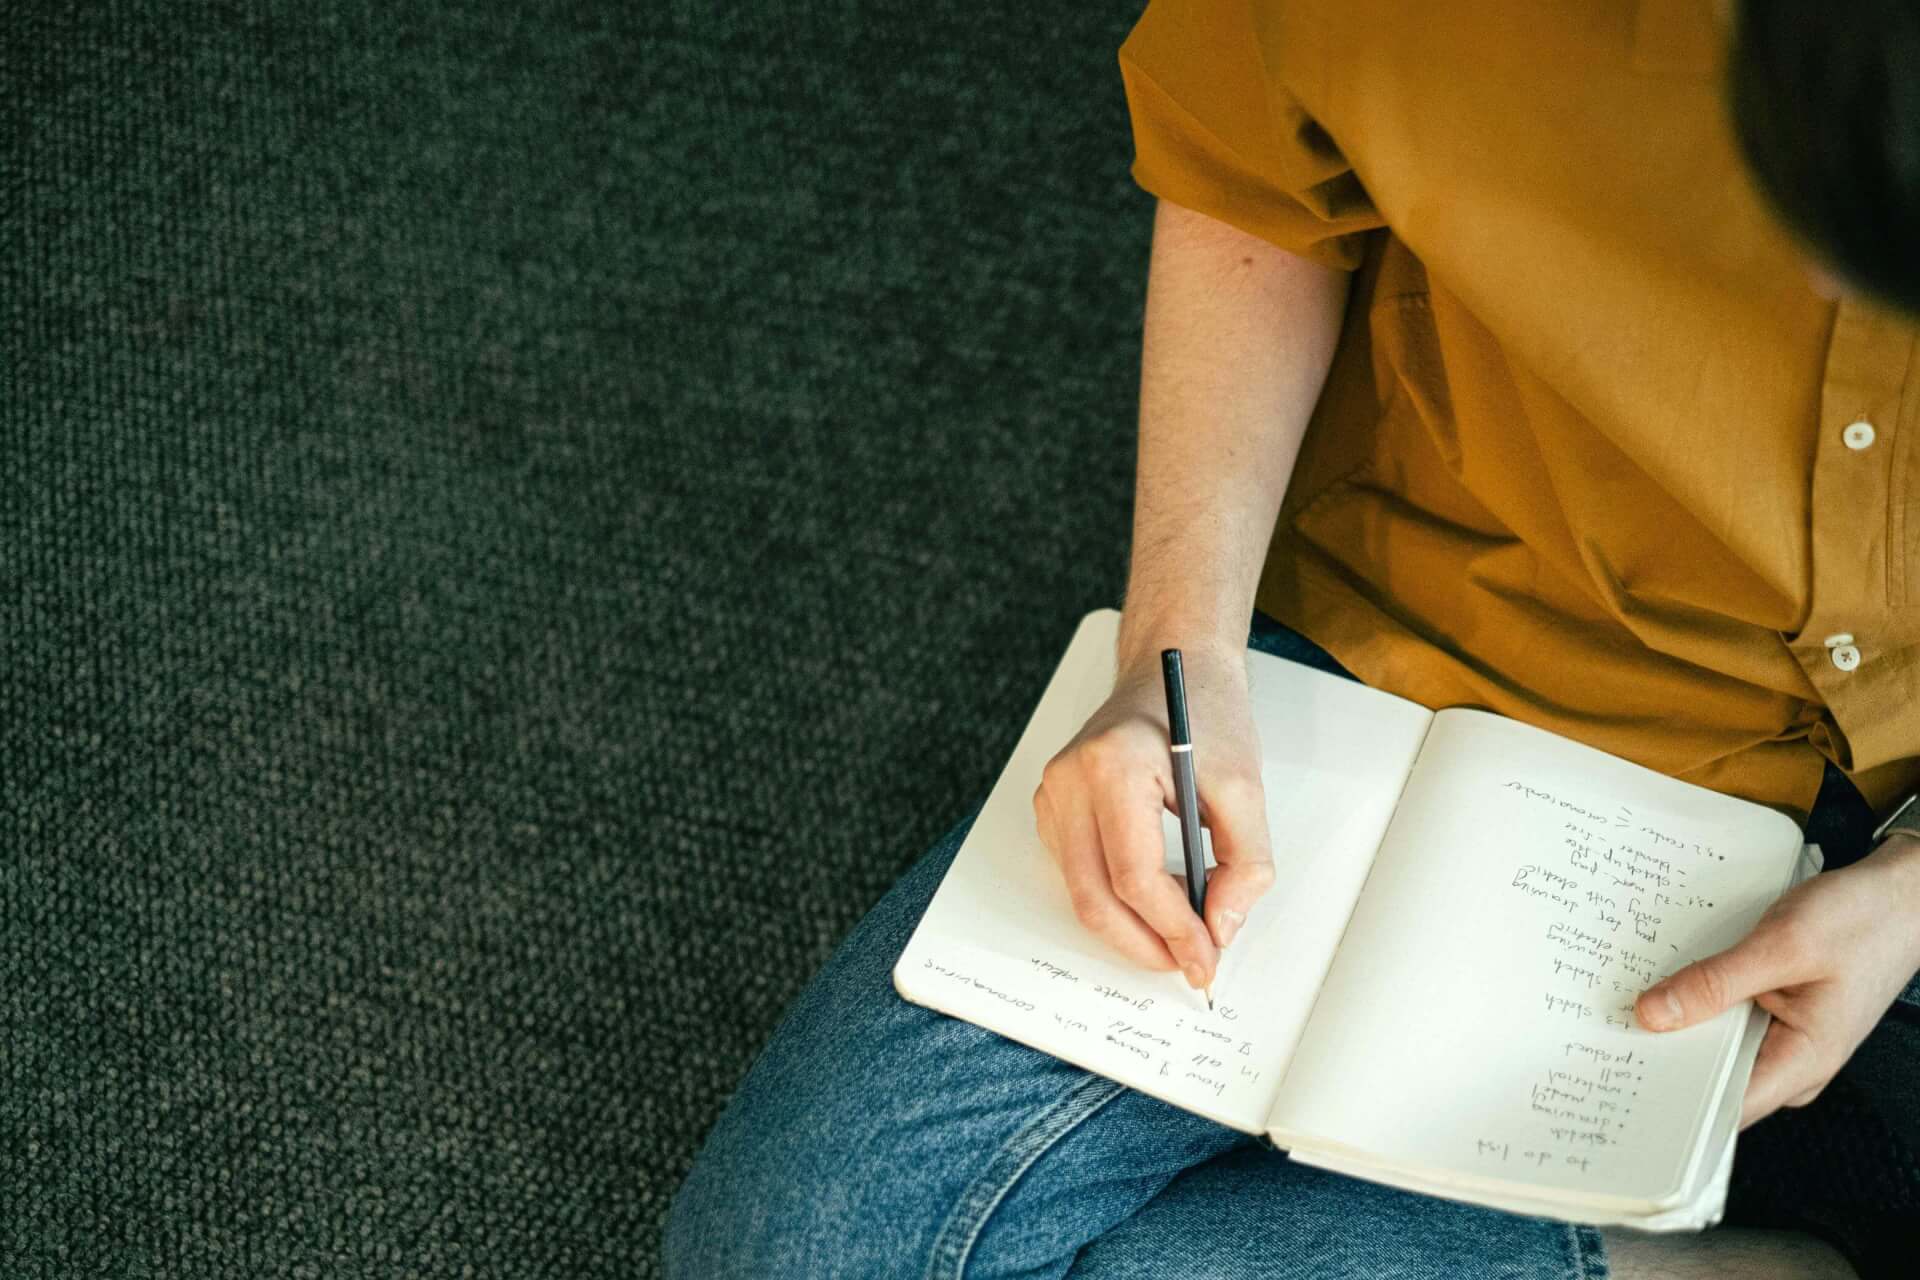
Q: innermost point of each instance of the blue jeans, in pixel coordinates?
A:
(876, 1138)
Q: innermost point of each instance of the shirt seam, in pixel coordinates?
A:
(1896, 570)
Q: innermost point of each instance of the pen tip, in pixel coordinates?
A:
(1209, 991)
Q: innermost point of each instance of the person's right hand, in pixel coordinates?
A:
(1099, 803)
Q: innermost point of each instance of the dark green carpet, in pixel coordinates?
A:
(516, 523)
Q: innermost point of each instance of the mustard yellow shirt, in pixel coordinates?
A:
(1593, 454)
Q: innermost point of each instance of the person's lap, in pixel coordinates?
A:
(874, 1137)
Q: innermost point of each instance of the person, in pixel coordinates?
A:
(1555, 360)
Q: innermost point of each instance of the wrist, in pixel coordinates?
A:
(1901, 848)
(1142, 637)
(1899, 855)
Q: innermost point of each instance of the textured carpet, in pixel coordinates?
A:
(517, 522)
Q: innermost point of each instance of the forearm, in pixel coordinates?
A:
(1237, 340)
(1899, 855)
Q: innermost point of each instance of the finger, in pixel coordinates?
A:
(1242, 852)
(1765, 960)
(1043, 823)
(1135, 846)
(1084, 867)
(1787, 1066)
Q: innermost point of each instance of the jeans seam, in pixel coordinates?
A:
(1588, 1252)
(963, 1226)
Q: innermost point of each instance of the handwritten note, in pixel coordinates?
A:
(1204, 1046)
(1528, 892)
(1145, 1026)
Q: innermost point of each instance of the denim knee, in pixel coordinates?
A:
(784, 1182)
(723, 1223)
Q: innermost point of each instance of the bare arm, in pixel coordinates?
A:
(1239, 336)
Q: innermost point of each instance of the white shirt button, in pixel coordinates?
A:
(1839, 637)
(1858, 435)
(1844, 656)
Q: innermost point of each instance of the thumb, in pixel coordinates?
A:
(1243, 855)
(1757, 963)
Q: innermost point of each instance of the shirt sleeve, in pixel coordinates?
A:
(1214, 134)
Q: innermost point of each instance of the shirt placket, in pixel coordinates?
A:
(1853, 644)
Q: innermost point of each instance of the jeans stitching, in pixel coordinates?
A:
(1588, 1251)
(962, 1229)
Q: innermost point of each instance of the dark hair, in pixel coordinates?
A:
(1825, 100)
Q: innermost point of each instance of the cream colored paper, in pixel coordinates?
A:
(1001, 947)
(1528, 890)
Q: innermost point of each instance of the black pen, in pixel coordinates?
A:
(1186, 790)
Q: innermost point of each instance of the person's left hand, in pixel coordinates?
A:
(1826, 961)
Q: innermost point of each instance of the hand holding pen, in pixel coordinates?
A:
(1099, 804)
(1186, 787)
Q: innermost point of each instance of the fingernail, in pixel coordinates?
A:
(1230, 922)
(1196, 976)
(1662, 1010)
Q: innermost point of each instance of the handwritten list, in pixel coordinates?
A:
(1524, 897)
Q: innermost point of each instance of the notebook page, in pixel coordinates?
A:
(1529, 889)
(1704, 1203)
(1000, 946)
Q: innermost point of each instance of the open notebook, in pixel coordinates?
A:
(1437, 993)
